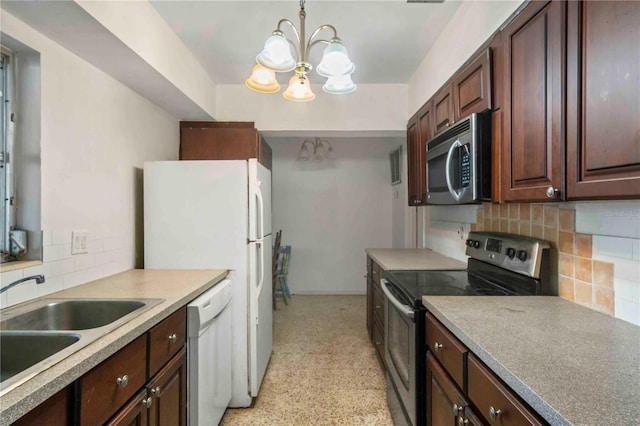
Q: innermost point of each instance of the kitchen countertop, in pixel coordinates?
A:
(571, 364)
(176, 287)
(408, 259)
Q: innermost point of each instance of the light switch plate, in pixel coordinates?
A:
(79, 242)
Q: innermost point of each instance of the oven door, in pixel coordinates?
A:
(400, 351)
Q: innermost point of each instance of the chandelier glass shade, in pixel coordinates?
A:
(278, 56)
(315, 149)
(263, 80)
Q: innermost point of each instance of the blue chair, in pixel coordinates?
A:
(282, 267)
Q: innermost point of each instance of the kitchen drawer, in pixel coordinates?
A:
(108, 386)
(495, 402)
(378, 340)
(446, 348)
(378, 303)
(166, 339)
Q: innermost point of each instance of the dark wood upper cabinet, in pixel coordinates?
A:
(472, 87)
(223, 140)
(603, 100)
(419, 131)
(533, 110)
(413, 182)
(443, 108)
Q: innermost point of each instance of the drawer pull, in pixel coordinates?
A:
(147, 402)
(122, 381)
(462, 421)
(378, 306)
(456, 409)
(156, 391)
(173, 338)
(494, 414)
(437, 346)
(378, 343)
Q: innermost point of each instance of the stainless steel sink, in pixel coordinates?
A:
(38, 334)
(72, 315)
(22, 350)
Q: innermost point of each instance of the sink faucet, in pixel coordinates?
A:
(39, 280)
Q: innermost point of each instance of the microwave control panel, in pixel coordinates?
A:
(465, 166)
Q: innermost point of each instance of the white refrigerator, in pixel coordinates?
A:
(217, 214)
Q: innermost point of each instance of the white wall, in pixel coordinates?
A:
(373, 107)
(95, 135)
(472, 25)
(331, 211)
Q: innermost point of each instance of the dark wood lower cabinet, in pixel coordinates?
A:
(445, 404)
(55, 411)
(496, 403)
(135, 413)
(168, 391)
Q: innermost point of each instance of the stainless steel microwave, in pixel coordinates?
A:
(459, 162)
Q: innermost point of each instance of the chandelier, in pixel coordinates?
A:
(315, 149)
(277, 56)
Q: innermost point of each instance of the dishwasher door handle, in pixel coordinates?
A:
(406, 310)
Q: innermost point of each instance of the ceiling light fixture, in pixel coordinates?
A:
(316, 149)
(277, 57)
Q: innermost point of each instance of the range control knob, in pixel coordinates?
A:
(476, 244)
(522, 255)
(469, 243)
(511, 252)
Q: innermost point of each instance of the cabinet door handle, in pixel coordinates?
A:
(552, 192)
(155, 391)
(437, 346)
(456, 409)
(494, 414)
(173, 338)
(147, 402)
(122, 381)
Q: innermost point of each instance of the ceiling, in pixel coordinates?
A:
(386, 39)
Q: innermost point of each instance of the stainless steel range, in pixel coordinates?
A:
(498, 265)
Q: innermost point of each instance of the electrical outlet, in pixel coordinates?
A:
(79, 242)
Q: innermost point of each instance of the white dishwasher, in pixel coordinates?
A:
(209, 355)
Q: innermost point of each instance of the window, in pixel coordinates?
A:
(395, 158)
(20, 174)
(6, 129)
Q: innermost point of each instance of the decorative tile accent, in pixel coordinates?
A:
(567, 220)
(580, 278)
(550, 216)
(566, 265)
(565, 242)
(584, 269)
(584, 293)
(603, 274)
(583, 245)
(566, 288)
(514, 211)
(604, 300)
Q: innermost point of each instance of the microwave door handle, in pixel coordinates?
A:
(405, 309)
(452, 191)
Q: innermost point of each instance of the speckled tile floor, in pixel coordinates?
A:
(323, 370)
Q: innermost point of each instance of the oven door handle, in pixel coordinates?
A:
(407, 310)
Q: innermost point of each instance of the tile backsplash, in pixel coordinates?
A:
(599, 272)
(109, 252)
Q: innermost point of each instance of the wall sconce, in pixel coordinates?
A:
(316, 149)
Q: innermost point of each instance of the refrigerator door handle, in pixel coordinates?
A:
(260, 243)
(260, 208)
